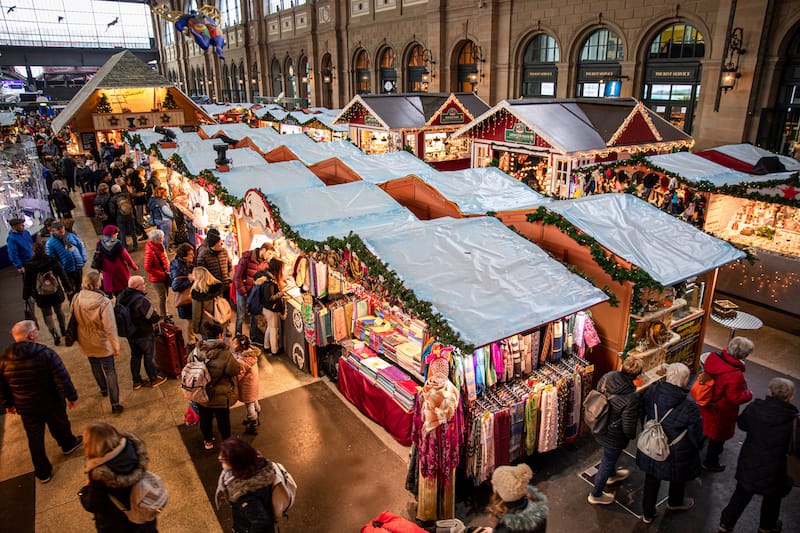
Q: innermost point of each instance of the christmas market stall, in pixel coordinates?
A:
(235, 130)
(310, 153)
(540, 141)
(660, 273)
(271, 116)
(231, 113)
(125, 94)
(323, 127)
(377, 168)
(421, 123)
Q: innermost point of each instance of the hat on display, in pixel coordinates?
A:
(511, 482)
(439, 361)
(213, 238)
(110, 230)
(57, 224)
(16, 221)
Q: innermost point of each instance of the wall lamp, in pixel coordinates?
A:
(730, 68)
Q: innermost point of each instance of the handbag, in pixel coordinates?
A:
(183, 297)
(97, 259)
(793, 457)
(71, 335)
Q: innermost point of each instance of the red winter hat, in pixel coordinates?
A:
(110, 230)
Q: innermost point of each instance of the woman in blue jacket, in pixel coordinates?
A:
(180, 270)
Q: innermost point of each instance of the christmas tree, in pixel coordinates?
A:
(169, 102)
(103, 106)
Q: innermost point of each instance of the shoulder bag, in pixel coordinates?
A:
(183, 297)
(97, 259)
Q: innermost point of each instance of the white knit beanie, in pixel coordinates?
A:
(511, 482)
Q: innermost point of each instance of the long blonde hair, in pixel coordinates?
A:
(203, 279)
(99, 438)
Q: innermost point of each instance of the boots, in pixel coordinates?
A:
(252, 427)
(56, 337)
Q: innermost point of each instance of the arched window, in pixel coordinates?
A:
(291, 79)
(168, 33)
(467, 67)
(229, 9)
(388, 72)
(539, 71)
(417, 75)
(598, 63)
(254, 80)
(277, 78)
(672, 74)
(362, 76)
(236, 82)
(327, 80)
(779, 128)
(305, 77)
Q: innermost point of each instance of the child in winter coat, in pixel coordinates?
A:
(247, 356)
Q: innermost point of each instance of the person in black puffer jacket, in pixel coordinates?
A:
(115, 463)
(34, 384)
(684, 427)
(624, 404)
(246, 483)
(762, 461)
(41, 263)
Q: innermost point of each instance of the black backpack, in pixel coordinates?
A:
(46, 283)
(124, 206)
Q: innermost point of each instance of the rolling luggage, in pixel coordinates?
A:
(170, 357)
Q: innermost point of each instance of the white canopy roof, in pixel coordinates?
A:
(751, 154)
(197, 161)
(477, 191)
(695, 168)
(380, 168)
(486, 281)
(269, 177)
(316, 152)
(668, 249)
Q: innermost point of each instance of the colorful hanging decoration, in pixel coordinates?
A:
(202, 25)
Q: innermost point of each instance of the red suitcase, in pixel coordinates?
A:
(170, 355)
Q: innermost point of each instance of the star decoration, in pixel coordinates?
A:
(143, 120)
(789, 192)
(114, 121)
(165, 118)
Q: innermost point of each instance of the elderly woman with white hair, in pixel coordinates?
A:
(680, 418)
(156, 264)
(730, 391)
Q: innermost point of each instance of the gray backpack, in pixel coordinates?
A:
(596, 412)
(653, 442)
(148, 498)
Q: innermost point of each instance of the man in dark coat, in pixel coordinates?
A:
(624, 404)
(762, 460)
(684, 429)
(142, 342)
(34, 384)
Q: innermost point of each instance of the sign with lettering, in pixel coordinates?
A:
(451, 116)
(369, 120)
(677, 73)
(546, 75)
(520, 134)
(595, 72)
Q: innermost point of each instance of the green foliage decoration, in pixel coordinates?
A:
(169, 102)
(103, 106)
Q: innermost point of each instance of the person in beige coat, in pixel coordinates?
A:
(97, 336)
(247, 356)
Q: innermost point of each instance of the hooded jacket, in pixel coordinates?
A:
(270, 292)
(33, 379)
(71, 259)
(624, 414)
(250, 498)
(116, 262)
(143, 314)
(180, 270)
(528, 515)
(115, 474)
(203, 301)
(730, 391)
(762, 462)
(97, 329)
(246, 269)
(217, 262)
(20, 247)
(223, 369)
(248, 375)
(683, 462)
(156, 263)
(39, 265)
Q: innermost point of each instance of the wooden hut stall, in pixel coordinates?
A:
(540, 141)
(126, 94)
(421, 123)
(661, 271)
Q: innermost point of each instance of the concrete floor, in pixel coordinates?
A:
(318, 452)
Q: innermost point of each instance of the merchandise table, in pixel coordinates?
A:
(742, 320)
(375, 403)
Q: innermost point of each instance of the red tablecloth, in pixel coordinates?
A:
(375, 403)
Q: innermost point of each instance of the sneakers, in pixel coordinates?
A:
(606, 498)
(713, 468)
(687, 504)
(208, 444)
(138, 385)
(46, 480)
(160, 380)
(622, 473)
(647, 519)
(116, 409)
(78, 442)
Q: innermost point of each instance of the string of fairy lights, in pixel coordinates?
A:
(766, 282)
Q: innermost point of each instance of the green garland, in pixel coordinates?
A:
(380, 274)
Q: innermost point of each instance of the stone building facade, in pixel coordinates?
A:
(676, 56)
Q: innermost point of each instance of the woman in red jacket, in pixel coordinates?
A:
(156, 265)
(730, 391)
(115, 263)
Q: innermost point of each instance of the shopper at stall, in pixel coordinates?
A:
(50, 148)
(205, 289)
(223, 369)
(204, 244)
(124, 214)
(46, 282)
(268, 283)
(156, 265)
(67, 169)
(624, 404)
(251, 262)
(216, 260)
(761, 468)
(516, 505)
(19, 244)
(115, 462)
(161, 212)
(180, 270)
(683, 427)
(246, 483)
(69, 250)
(102, 204)
(35, 385)
(136, 187)
(61, 200)
(97, 336)
(83, 176)
(730, 391)
(247, 357)
(142, 341)
(115, 262)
